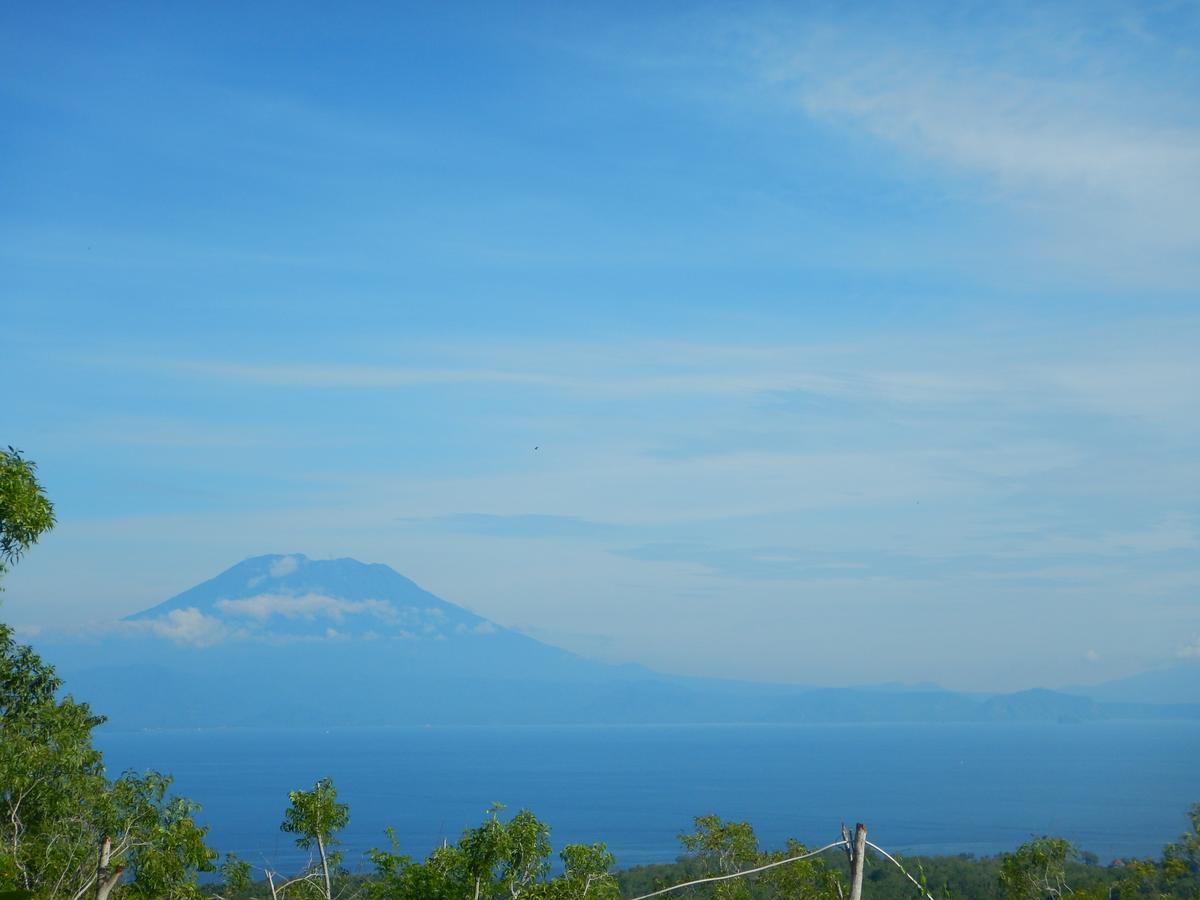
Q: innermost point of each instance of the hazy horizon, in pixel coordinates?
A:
(847, 345)
(323, 607)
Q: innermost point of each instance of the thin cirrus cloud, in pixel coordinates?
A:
(662, 380)
(1115, 378)
(534, 526)
(1088, 138)
(350, 375)
(1031, 557)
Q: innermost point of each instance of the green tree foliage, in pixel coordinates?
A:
(397, 877)
(57, 806)
(496, 859)
(235, 874)
(527, 846)
(481, 850)
(156, 836)
(1036, 870)
(316, 817)
(1176, 875)
(25, 512)
(587, 873)
(49, 776)
(723, 848)
(720, 847)
(59, 812)
(1183, 856)
(1042, 868)
(806, 879)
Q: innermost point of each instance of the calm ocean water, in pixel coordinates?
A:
(1118, 789)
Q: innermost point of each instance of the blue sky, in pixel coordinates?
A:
(856, 342)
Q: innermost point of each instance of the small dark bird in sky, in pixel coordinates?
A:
(535, 448)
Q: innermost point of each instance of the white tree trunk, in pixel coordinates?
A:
(107, 875)
(325, 868)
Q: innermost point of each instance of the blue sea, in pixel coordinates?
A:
(1117, 789)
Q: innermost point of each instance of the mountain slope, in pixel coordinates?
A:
(300, 597)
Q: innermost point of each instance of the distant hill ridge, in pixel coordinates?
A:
(283, 640)
(1175, 683)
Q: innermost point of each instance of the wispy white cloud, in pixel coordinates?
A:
(184, 626)
(531, 526)
(352, 375)
(308, 607)
(1099, 157)
(250, 618)
(1164, 388)
(1172, 532)
(1118, 376)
